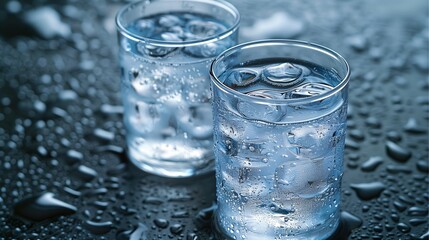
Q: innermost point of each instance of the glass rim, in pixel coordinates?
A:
(285, 42)
(122, 28)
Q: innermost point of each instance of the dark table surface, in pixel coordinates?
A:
(63, 171)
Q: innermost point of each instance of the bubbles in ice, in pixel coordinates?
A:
(282, 75)
(240, 77)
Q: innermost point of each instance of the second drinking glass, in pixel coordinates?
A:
(166, 48)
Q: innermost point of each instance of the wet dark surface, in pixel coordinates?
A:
(62, 167)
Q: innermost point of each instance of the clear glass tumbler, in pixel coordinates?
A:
(166, 48)
(279, 109)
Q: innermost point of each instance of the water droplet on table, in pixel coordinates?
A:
(397, 152)
(176, 228)
(371, 164)
(86, 173)
(368, 191)
(98, 227)
(42, 207)
(161, 222)
(138, 233)
(412, 127)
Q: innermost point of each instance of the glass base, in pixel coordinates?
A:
(173, 169)
(328, 233)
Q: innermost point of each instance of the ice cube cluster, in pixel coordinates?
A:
(180, 28)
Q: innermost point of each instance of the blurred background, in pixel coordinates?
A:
(63, 172)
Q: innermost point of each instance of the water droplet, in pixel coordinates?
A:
(104, 135)
(371, 164)
(357, 134)
(417, 221)
(413, 127)
(98, 227)
(417, 211)
(176, 228)
(393, 136)
(357, 42)
(191, 236)
(373, 122)
(204, 216)
(111, 148)
(72, 192)
(368, 191)
(399, 206)
(351, 144)
(180, 214)
(161, 222)
(406, 200)
(423, 166)
(153, 200)
(138, 233)
(398, 169)
(403, 227)
(118, 169)
(42, 207)
(86, 173)
(74, 156)
(112, 109)
(397, 152)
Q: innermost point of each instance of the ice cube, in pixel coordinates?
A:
(144, 27)
(310, 141)
(145, 118)
(196, 121)
(156, 85)
(154, 51)
(310, 89)
(306, 179)
(171, 37)
(282, 75)
(261, 111)
(240, 77)
(253, 187)
(168, 21)
(211, 49)
(202, 29)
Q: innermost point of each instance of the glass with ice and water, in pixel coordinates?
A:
(279, 109)
(166, 48)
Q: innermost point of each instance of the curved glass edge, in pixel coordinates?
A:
(260, 43)
(160, 43)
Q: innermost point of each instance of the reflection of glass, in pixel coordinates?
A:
(166, 48)
(279, 110)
